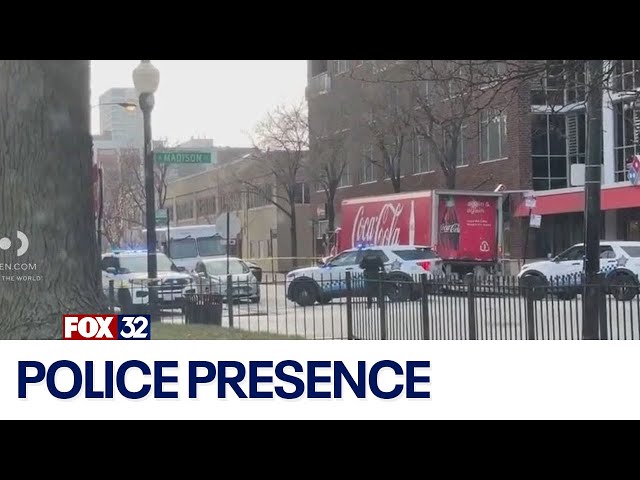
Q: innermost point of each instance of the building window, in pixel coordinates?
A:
(394, 99)
(301, 193)
(423, 160)
(562, 82)
(493, 135)
(184, 209)
(206, 206)
(260, 198)
(340, 66)
(575, 75)
(368, 168)
(550, 90)
(576, 124)
(626, 126)
(461, 161)
(392, 162)
(425, 93)
(626, 75)
(230, 202)
(345, 178)
(549, 152)
(557, 142)
(318, 67)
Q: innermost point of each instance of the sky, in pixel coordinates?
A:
(218, 99)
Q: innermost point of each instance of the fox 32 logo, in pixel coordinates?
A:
(22, 246)
(106, 327)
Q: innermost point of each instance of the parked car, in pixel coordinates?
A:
(255, 269)
(324, 282)
(128, 270)
(619, 262)
(211, 277)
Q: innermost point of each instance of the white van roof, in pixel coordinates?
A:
(189, 231)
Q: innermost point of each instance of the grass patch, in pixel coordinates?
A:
(169, 331)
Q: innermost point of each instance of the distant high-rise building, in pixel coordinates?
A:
(125, 126)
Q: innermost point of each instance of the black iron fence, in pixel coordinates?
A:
(398, 307)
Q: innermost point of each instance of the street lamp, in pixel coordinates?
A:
(146, 78)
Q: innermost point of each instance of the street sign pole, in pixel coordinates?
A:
(162, 218)
(530, 203)
(168, 237)
(273, 268)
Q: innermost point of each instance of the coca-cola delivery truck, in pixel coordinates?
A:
(463, 227)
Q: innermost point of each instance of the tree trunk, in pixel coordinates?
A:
(450, 170)
(450, 178)
(294, 236)
(46, 193)
(331, 210)
(396, 183)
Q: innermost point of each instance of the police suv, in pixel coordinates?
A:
(128, 271)
(619, 262)
(403, 265)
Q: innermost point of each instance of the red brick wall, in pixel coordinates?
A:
(514, 172)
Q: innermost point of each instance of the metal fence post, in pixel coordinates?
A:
(425, 306)
(602, 305)
(471, 305)
(230, 299)
(381, 307)
(112, 296)
(349, 307)
(530, 312)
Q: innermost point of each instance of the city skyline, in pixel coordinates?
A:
(218, 99)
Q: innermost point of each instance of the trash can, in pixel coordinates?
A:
(203, 308)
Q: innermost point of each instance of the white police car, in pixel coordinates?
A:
(619, 262)
(403, 264)
(128, 271)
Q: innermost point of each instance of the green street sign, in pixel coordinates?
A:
(182, 157)
(162, 216)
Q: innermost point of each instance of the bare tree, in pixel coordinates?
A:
(116, 210)
(327, 167)
(123, 198)
(160, 182)
(387, 126)
(282, 140)
(451, 95)
(442, 98)
(46, 193)
(133, 184)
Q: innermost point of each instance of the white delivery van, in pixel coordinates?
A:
(190, 244)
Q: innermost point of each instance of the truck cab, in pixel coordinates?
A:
(188, 245)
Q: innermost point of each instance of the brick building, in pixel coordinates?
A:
(531, 140)
(265, 236)
(487, 155)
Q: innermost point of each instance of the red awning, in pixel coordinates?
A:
(612, 198)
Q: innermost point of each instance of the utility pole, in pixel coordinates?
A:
(593, 176)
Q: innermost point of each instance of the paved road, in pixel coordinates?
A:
(501, 318)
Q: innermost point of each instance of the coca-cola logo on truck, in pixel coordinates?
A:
(380, 229)
(450, 228)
